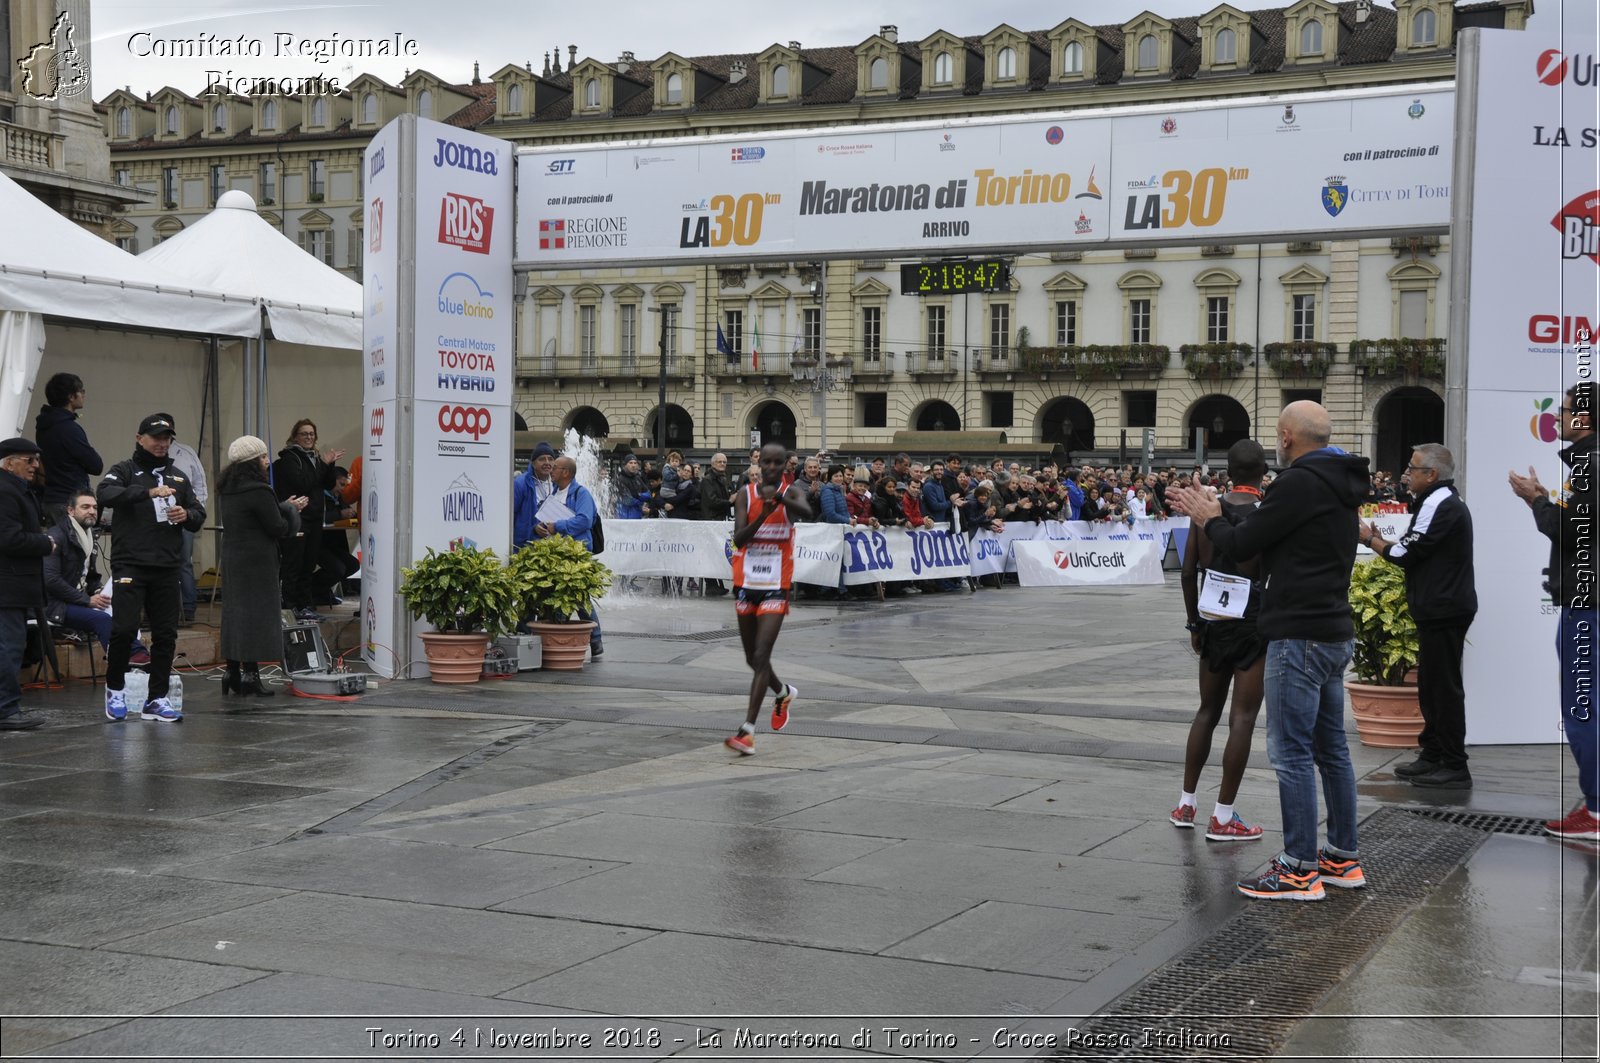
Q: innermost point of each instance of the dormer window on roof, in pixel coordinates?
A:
(1226, 48)
(944, 69)
(674, 88)
(1072, 58)
(1005, 64)
(1149, 54)
(1310, 38)
(591, 94)
(1424, 28)
(124, 122)
(269, 115)
(780, 82)
(424, 104)
(219, 118)
(319, 113)
(878, 73)
(369, 109)
(171, 119)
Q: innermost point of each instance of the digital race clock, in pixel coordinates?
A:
(954, 276)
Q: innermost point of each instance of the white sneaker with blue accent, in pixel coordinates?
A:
(161, 710)
(116, 705)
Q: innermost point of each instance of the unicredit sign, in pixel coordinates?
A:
(472, 421)
(1553, 67)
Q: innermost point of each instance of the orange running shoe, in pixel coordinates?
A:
(780, 707)
(742, 743)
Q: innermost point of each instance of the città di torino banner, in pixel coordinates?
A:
(1346, 162)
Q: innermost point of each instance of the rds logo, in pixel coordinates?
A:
(465, 298)
(1543, 425)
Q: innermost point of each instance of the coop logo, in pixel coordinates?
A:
(561, 167)
(552, 234)
(1054, 135)
(375, 164)
(747, 154)
(375, 224)
(466, 222)
(375, 426)
(461, 296)
(1552, 68)
(462, 502)
(471, 421)
(463, 157)
(1579, 225)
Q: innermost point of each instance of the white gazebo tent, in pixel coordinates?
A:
(51, 267)
(303, 302)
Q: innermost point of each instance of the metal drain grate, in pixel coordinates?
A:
(1483, 821)
(1275, 962)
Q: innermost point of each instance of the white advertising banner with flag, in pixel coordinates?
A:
(1087, 562)
(1345, 161)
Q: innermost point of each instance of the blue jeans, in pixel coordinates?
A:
(97, 621)
(1305, 735)
(13, 641)
(1576, 646)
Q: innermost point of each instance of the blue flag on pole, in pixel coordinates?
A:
(722, 345)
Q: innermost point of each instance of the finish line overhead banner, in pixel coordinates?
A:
(1357, 161)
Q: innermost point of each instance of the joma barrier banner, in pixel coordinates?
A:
(1346, 161)
(1087, 562)
(991, 551)
(892, 555)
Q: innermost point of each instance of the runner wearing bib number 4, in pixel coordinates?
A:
(1222, 630)
(763, 572)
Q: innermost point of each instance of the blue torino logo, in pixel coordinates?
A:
(1335, 194)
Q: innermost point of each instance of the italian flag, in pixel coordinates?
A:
(755, 345)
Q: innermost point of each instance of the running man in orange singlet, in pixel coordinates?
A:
(763, 572)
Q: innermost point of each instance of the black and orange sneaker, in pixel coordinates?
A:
(781, 705)
(1285, 883)
(1337, 871)
(742, 743)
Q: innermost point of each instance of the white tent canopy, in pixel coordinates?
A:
(234, 250)
(49, 265)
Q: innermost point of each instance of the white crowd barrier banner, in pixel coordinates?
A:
(1088, 562)
(894, 555)
(1390, 527)
(819, 553)
(991, 551)
(668, 548)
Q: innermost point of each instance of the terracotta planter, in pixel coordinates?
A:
(564, 644)
(455, 658)
(1386, 717)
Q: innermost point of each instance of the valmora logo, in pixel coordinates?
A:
(1579, 225)
(463, 502)
(375, 428)
(1552, 67)
(471, 421)
(466, 223)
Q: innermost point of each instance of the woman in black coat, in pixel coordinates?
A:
(254, 524)
(301, 472)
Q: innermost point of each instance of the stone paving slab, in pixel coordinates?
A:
(655, 840)
(56, 905)
(124, 843)
(905, 819)
(153, 796)
(421, 946)
(759, 907)
(396, 869)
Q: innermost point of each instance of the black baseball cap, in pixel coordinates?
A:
(156, 425)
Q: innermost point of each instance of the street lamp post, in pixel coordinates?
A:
(829, 373)
(661, 383)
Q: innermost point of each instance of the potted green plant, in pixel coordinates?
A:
(1383, 692)
(554, 578)
(469, 597)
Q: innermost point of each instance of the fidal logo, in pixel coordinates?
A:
(1543, 425)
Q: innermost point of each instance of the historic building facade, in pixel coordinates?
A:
(1084, 346)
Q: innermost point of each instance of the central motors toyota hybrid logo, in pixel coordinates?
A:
(471, 421)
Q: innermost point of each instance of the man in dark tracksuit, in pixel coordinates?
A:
(1436, 554)
(1569, 524)
(153, 503)
(1305, 533)
(23, 548)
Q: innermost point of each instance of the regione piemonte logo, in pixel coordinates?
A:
(552, 234)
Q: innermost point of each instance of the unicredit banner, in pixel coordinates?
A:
(1335, 163)
(1087, 562)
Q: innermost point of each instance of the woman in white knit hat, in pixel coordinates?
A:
(254, 523)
